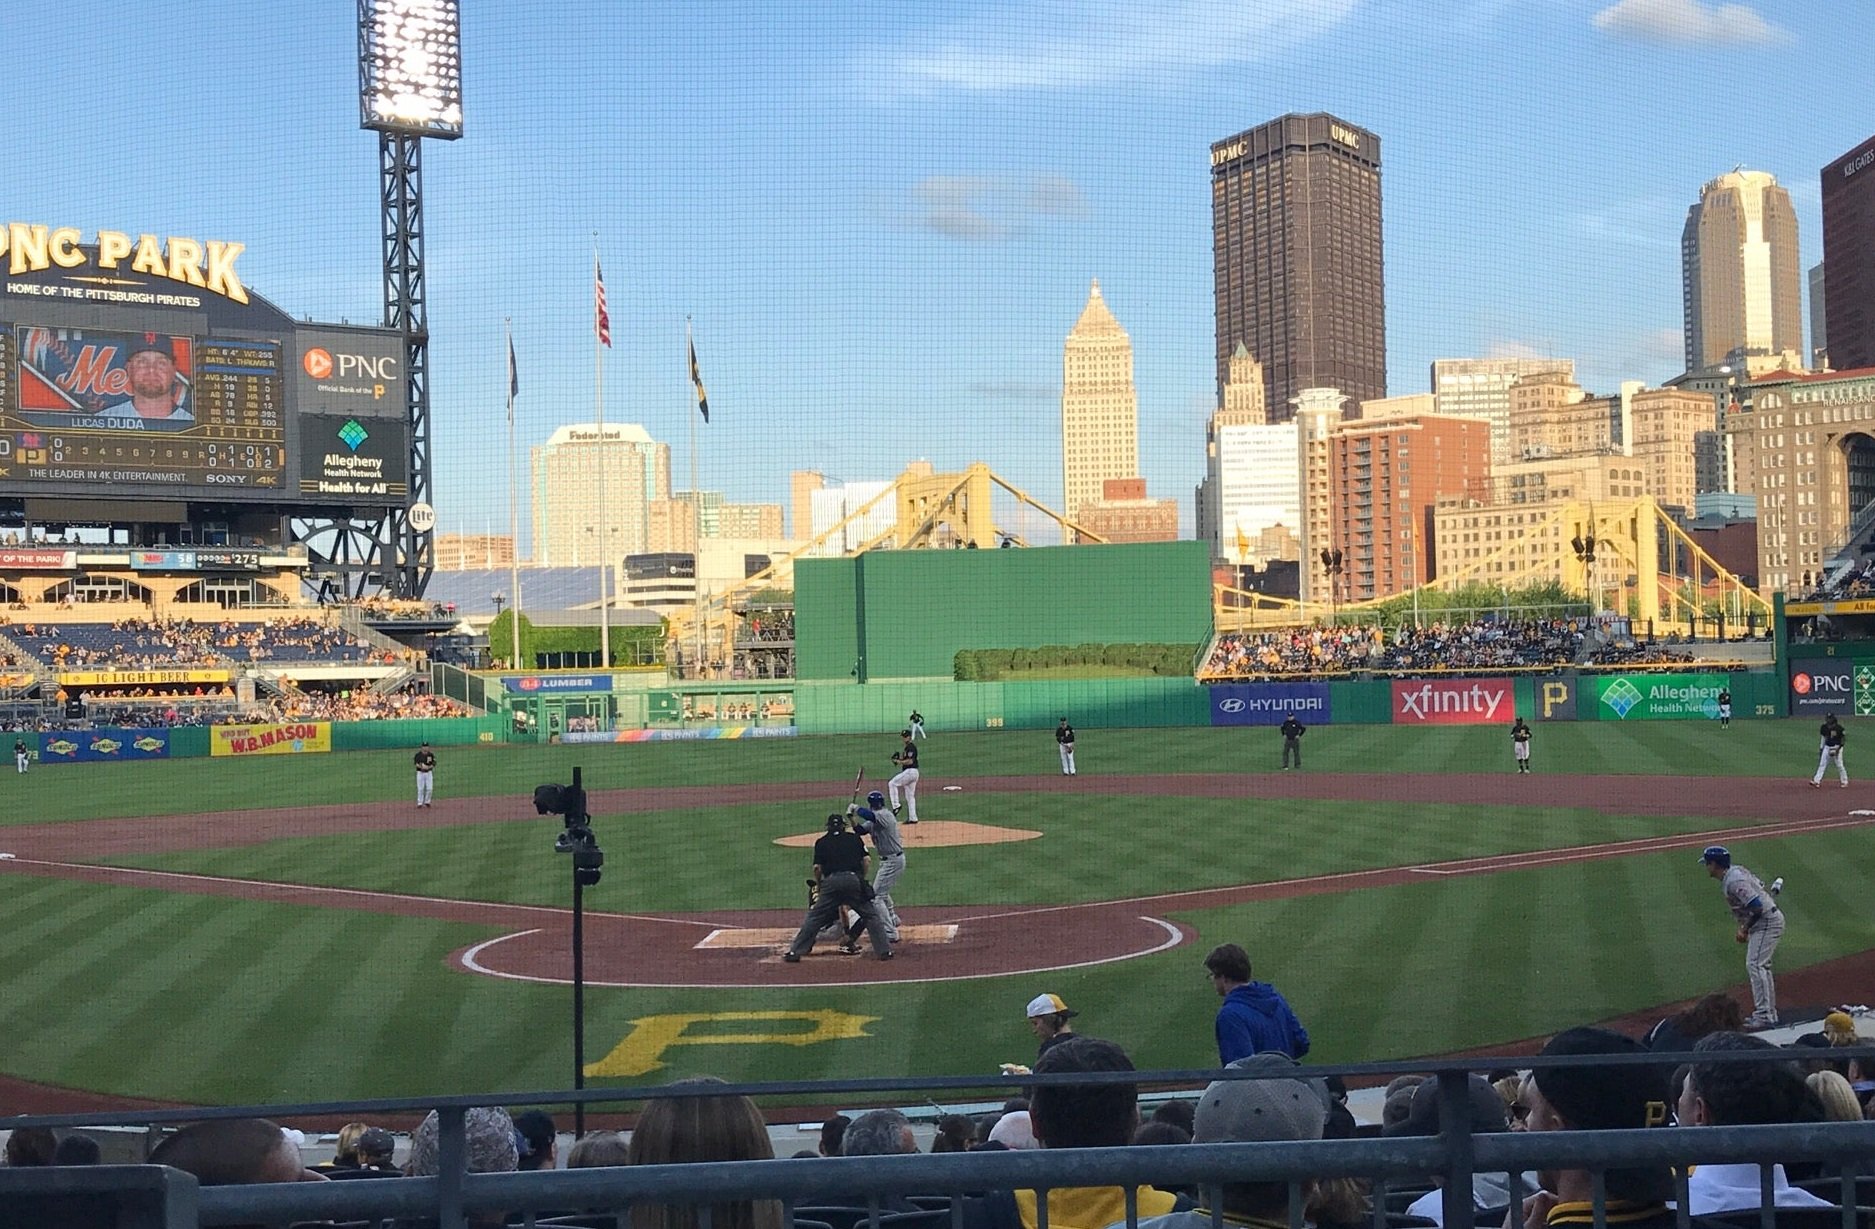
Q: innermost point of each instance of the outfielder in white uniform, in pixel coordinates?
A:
(1064, 742)
(905, 784)
(1760, 926)
(20, 754)
(1829, 748)
(876, 820)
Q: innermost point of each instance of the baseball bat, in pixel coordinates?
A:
(858, 778)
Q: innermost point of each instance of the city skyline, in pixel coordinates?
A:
(881, 223)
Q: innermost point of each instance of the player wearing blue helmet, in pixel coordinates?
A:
(876, 820)
(1760, 926)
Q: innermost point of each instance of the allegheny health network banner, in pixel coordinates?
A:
(1654, 697)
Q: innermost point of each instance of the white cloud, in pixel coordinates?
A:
(1689, 23)
(1513, 347)
(987, 208)
(1051, 44)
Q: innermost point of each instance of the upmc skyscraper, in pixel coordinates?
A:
(1297, 257)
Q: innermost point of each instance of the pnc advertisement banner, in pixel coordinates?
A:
(1830, 686)
(1658, 697)
(274, 738)
(1269, 703)
(103, 745)
(1453, 701)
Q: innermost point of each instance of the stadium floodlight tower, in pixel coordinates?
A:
(410, 88)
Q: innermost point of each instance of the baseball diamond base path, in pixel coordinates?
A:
(944, 942)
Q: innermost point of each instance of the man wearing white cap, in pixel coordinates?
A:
(1048, 1020)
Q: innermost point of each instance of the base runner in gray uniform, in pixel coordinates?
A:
(1760, 926)
(876, 820)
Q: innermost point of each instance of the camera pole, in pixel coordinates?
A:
(579, 976)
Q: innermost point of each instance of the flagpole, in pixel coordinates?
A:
(604, 527)
(696, 505)
(514, 515)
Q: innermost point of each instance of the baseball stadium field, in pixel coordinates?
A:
(294, 928)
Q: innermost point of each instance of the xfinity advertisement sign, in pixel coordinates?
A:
(1818, 687)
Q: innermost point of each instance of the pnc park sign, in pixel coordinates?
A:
(31, 247)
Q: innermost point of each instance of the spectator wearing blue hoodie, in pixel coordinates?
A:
(1255, 1018)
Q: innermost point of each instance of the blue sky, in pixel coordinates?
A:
(884, 219)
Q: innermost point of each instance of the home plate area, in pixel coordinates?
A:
(775, 939)
(936, 943)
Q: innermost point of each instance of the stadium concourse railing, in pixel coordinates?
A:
(1451, 1157)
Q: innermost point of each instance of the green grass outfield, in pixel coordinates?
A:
(193, 998)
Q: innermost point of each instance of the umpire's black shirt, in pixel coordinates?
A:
(840, 851)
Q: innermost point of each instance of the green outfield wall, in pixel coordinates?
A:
(890, 615)
(845, 708)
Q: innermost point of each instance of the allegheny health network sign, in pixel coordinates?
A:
(1658, 697)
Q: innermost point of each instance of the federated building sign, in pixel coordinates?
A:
(274, 738)
(1658, 697)
(140, 678)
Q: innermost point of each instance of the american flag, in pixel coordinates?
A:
(602, 321)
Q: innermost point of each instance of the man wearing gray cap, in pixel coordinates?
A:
(1262, 1111)
(1491, 1194)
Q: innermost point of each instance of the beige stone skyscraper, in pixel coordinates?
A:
(1742, 275)
(1099, 407)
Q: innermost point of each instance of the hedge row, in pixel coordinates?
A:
(632, 645)
(988, 665)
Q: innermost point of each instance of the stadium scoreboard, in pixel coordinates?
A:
(126, 372)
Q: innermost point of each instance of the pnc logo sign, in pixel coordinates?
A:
(321, 364)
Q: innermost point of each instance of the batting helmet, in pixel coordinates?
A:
(1716, 855)
(875, 800)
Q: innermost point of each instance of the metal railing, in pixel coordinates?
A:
(1453, 1156)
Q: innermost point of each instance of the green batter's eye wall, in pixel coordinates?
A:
(905, 614)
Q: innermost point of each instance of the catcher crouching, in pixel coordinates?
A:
(840, 879)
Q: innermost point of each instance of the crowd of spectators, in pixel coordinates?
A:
(167, 644)
(1477, 644)
(364, 705)
(1802, 1083)
(772, 625)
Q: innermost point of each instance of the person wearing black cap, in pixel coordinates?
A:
(1064, 743)
(904, 783)
(1592, 1098)
(1830, 738)
(1760, 926)
(840, 876)
(425, 760)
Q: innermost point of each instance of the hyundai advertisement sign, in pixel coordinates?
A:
(1270, 703)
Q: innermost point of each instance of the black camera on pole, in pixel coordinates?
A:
(569, 801)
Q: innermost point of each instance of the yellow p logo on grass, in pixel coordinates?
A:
(642, 1050)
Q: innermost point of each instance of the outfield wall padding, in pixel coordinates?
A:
(846, 708)
(888, 615)
(437, 731)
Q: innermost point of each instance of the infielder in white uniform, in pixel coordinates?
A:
(1760, 926)
(1829, 748)
(425, 760)
(1064, 742)
(905, 783)
(876, 820)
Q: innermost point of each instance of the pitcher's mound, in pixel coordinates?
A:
(933, 834)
